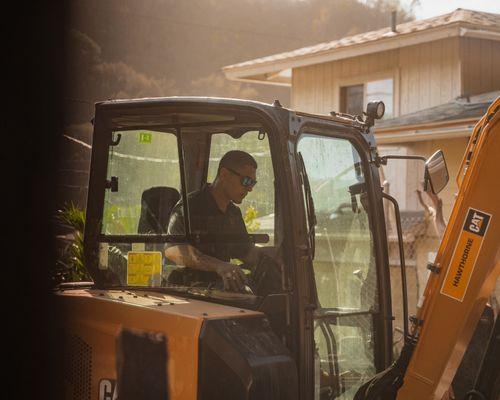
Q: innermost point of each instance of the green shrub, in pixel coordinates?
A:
(70, 263)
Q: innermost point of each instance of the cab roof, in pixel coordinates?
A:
(221, 101)
(171, 100)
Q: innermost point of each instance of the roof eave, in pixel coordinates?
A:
(423, 132)
(262, 80)
(258, 72)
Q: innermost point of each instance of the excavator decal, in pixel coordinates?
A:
(107, 389)
(465, 254)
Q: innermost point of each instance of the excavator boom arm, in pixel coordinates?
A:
(468, 265)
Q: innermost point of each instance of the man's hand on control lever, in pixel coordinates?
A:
(189, 256)
(232, 276)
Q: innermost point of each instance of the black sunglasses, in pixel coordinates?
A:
(246, 181)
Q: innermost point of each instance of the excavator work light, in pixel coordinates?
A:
(375, 109)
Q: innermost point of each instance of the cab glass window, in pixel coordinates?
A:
(142, 159)
(343, 265)
(144, 197)
(258, 206)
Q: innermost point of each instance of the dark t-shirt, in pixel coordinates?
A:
(207, 218)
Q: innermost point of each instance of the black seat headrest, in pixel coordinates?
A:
(156, 206)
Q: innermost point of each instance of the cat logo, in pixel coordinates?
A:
(107, 390)
(477, 220)
(465, 254)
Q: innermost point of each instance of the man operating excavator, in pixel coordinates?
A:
(212, 211)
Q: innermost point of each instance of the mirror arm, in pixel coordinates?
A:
(402, 261)
(383, 160)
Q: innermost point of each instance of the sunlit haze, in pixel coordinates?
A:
(431, 8)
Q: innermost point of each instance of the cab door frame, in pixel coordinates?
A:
(360, 140)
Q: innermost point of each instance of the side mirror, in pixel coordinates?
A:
(436, 172)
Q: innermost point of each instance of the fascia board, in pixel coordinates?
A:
(432, 125)
(480, 34)
(261, 82)
(403, 135)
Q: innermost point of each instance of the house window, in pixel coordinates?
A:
(354, 98)
(351, 99)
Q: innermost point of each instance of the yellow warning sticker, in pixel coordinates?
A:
(143, 268)
(465, 254)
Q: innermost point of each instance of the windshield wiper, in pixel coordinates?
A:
(311, 214)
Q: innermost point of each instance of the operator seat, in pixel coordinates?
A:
(156, 205)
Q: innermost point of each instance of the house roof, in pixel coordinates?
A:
(461, 108)
(454, 119)
(271, 69)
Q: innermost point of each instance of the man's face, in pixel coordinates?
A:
(233, 186)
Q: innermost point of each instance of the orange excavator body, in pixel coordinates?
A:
(467, 267)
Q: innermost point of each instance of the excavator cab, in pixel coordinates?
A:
(314, 321)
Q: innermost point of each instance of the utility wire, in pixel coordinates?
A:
(197, 24)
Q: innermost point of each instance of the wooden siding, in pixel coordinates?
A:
(424, 76)
(429, 74)
(316, 88)
(480, 65)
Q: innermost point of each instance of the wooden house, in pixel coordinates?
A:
(436, 76)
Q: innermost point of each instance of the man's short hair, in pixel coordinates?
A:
(235, 159)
